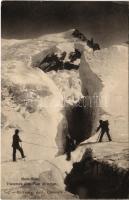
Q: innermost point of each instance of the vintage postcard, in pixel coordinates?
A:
(64, 100)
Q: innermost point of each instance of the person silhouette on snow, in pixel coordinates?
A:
(103, 125)
(16, 145)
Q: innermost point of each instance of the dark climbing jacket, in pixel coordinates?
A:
(103, 126)
(16, 141)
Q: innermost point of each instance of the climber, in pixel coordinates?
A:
(103, 125)
(16, 145)
(70, 146)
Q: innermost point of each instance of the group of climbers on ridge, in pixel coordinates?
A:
(70, 142)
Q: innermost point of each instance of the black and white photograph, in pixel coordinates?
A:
(64, 100)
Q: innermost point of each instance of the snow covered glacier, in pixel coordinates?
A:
(33, 102)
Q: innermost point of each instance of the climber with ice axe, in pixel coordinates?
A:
(103, 125)
(16, 146)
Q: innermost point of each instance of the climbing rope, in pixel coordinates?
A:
(36, 145)
(37, 134)
(42, 145)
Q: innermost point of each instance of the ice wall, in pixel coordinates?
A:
(104, 76)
